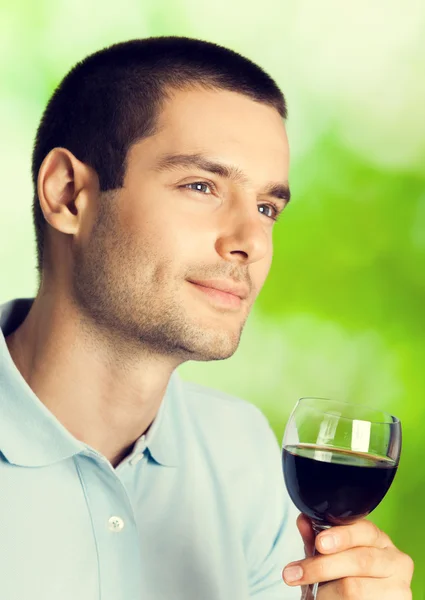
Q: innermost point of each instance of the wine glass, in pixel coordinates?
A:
(339, 461)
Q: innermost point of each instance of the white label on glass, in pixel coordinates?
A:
(361, 436)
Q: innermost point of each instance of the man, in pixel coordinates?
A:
(160, 167)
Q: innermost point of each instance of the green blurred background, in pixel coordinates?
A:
(342, 313)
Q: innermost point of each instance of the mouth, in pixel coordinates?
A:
(225, 293)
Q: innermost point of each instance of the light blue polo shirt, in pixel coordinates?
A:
(198, 511)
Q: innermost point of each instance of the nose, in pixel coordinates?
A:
(243, 239)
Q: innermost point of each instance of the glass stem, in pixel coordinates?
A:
(312, 589)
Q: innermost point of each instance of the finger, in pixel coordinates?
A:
(306, 530)
(357, 562)
(364, 588)
(361, 587)
(361, 533)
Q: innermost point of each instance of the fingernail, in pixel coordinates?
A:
(293, 573)
(328, 542)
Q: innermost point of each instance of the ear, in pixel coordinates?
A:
(64, 187)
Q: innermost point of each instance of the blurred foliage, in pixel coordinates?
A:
(342, 313)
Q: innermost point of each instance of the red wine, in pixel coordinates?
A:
(333, 486)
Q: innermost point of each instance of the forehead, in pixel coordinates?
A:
(224, 125)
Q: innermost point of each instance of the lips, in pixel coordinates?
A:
(224, 285)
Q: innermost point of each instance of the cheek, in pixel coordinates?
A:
(174, 225)
(163, 248)
(259, 272)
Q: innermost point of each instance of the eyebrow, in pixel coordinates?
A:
(280, 191)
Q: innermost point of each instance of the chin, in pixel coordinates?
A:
(212, 347)
(210, 356)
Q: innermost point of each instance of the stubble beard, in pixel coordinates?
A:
(124, 299)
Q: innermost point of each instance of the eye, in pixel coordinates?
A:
(200, 186)
(269, 210)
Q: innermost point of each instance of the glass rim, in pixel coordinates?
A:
(393, 419)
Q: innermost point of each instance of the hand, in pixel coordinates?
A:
(363, 563)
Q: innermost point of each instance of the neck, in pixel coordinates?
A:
(106, 394)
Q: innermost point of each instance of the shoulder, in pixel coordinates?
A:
(208, 403)
(232, 423)
(244, 452)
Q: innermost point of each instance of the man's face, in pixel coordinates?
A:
(176, 258)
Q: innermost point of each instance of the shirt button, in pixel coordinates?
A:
(136, 459)
(116, 524)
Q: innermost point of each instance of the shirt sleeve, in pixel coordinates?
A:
(274, 539)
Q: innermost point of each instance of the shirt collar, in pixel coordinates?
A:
(31, 436)
(162, 437)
